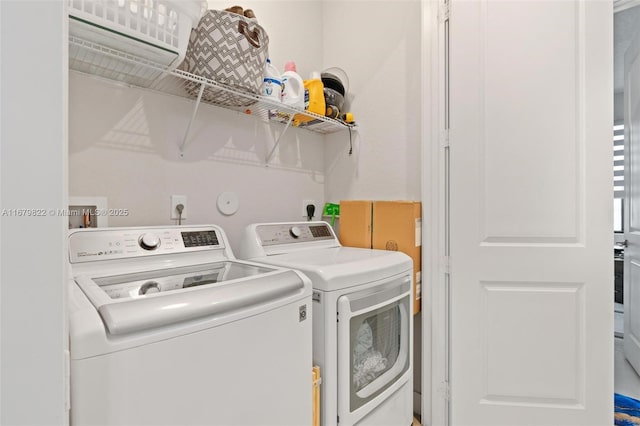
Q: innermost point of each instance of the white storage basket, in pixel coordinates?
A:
(154, 30)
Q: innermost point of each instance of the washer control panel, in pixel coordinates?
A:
(120, 243)
(289, 233)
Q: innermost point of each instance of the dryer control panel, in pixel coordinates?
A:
(297, 232)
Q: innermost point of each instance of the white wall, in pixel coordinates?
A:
(124, 143)
(378, 45)
(33, 165)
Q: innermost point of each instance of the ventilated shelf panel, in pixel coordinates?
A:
(94, 59)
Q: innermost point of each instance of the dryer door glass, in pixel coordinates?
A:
(375, 345)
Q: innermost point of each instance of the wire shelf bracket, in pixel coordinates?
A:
(275, 145)
(193, 116)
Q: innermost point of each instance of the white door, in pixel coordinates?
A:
(531, 265)
(632, 203)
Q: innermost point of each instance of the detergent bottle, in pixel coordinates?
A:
(313, 97)
(292, 86)
(272, 84)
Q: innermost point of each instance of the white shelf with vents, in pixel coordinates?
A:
(91, 58)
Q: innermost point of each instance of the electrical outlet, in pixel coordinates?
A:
(316, 214)
(175, 200)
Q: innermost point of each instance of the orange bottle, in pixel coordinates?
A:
(313, 98)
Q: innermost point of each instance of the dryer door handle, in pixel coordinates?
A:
(382, 295)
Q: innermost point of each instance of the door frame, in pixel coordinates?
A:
(631, 345)
(435, 305)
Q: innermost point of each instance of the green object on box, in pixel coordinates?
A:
(332, 210)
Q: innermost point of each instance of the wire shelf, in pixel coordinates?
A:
(91, 58)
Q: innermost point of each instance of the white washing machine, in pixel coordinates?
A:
(168, 328)
(362, 319)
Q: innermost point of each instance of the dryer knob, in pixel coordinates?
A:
(149, 241)
(295, 231)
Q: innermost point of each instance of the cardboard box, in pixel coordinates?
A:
(397, 225)
(386, 225)
(355, 223)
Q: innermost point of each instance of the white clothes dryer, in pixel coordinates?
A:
(168, 328)
(362, 319)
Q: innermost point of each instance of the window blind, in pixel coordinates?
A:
(618, 161)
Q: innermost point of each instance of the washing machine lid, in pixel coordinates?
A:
(336, 268)
(135, 301)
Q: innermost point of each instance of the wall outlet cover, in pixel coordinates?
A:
(316, 214)
(175, 200)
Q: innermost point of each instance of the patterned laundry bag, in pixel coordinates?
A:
(230, 49)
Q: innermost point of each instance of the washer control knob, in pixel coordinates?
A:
(295, 231)
(148, 288)
(149, 241)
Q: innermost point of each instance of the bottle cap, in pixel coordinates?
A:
(315, 75)
(290, 66)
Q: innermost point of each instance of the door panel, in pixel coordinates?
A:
(632, 203)
(551, 346)
(530, 223)
(510, 110)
